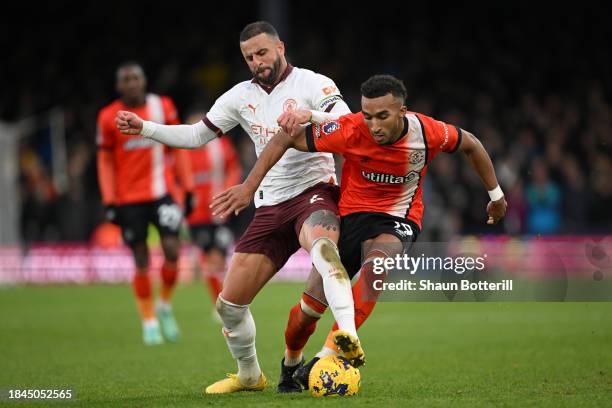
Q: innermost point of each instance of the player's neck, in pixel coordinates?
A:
(134, 102)
(402, 132)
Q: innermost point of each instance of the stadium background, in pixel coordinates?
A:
(532, 82)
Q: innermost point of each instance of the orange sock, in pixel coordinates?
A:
(215, 285)
(144, 300)
(302, 322)
(169, 273)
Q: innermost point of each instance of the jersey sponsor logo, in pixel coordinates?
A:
(315, 198)
(404, 230)
(328, 90)
(330, 127)
(263, 134)
(138, 143)
(329, 101)
(386, 178)
(251, 107)
(417, 156)
(290, 105)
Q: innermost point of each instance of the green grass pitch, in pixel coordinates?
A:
(419, 354)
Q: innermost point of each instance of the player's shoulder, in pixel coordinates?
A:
(353, 119)
(421, 117)
(305, 74)
(237, 92)
(108, 112)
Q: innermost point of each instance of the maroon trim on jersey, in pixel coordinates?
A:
(310, 135)
(284, 76)
(330, 107)
(212, 127)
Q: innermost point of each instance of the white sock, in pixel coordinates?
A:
(163, 306)
(336, 283)
(149, 323)
(290, 362)
(248, 370)
(239, 331)
(326, 351)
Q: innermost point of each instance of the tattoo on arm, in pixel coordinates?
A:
(324, 218)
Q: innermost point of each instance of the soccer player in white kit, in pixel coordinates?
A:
(296, 202)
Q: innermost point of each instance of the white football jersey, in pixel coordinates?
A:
(249, 105)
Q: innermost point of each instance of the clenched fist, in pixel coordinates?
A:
(128, 123)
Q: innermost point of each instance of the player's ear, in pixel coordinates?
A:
(280, 46)
(403, 110)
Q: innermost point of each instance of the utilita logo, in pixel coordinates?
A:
(390, 178)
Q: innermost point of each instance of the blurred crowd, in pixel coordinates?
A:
(532, 85)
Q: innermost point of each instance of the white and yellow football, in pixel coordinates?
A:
(334, 376)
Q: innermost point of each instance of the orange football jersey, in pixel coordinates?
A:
(215, 168)
(139, 170)
(384, 178)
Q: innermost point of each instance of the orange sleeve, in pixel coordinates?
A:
(331, 136)
(170, 112)
(233, 169)
(440, 136)
(105, 160)
(184, 171)
(106, 175)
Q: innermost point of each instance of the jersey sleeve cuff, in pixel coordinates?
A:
(459, 135)
(310, 135)
(212, 126)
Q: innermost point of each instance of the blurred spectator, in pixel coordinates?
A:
(543, 202)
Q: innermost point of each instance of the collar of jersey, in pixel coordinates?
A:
(284, 76)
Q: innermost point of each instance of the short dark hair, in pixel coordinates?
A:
(256, 28)
(129, 64)
(380, 85)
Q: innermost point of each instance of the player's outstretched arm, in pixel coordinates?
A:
(236, 198)
(181, 136)
(480, 161)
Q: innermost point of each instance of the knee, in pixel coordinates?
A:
(141, 255)
(324, 246)
(171, 250)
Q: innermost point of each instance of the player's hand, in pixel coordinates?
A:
(496, 210)
(233, 200)
(128, 123)
(290, 121)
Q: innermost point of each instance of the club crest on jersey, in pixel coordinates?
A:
(289, 105)
(417, 156)
(330, 127)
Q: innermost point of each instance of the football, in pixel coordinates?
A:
(334, 376)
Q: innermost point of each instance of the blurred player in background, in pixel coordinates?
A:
(296, 204)
(387, 150)
(215, 167)
(135, 178)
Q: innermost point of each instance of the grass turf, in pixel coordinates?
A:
(419, 354)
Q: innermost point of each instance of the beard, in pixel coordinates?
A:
(272, 76)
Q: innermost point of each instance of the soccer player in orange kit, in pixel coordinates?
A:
(387, 150)
(135, 179)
